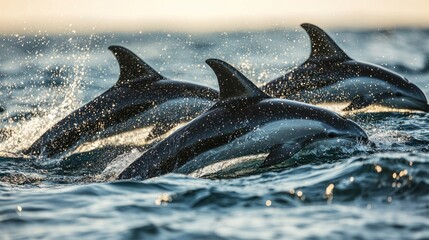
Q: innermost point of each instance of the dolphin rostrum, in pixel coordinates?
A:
(331, 76)
(245, 121)
(140, 98)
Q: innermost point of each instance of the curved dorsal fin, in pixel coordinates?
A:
(232, 83)
(132, 67)
(322, 46)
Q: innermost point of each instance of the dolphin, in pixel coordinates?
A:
(331, 76)
(244, 121)
(140, 98)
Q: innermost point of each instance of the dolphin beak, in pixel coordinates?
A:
(420, 104)
(424, 107)
(366, 141)
(363, 138)
(358, 134)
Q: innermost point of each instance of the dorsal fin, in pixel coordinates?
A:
(132, 67)
(322, 46)
(232, 83)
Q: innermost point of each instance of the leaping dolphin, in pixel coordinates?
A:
(245, 121)
(331, 76)
(140, 98)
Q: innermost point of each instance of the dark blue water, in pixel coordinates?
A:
(333, 193)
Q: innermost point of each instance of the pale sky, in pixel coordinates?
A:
(92, 16)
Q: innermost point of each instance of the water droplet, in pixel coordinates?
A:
(329, 189)
(389, 199)
(163, 199)
(403, 173)
(378, 168)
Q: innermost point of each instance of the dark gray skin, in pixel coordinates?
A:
(232, 128)
(137, 100)
(331, 76)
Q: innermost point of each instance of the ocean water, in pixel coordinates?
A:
(338, 192)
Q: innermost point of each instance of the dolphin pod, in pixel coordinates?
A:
(238, 120)
(140, 98)
(245, 121)
(331, 76)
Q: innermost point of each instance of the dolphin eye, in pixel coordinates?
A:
(332, 134)
(398, 94)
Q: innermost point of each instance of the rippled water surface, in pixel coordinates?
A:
(323, 193)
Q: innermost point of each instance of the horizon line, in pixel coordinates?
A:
(196, 16)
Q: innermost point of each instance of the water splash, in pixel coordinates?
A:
(56, 102)
(118, 165)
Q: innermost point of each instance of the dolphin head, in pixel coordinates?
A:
(310, 124)
(381, 86)
(337, 126)
(406, 95)
(346, 129)
(318, 123)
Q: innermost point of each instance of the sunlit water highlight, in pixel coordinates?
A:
(334, 192)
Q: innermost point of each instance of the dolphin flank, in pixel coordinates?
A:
(331, 76)
(140, 98)
(245, 121)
